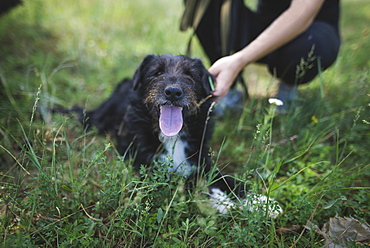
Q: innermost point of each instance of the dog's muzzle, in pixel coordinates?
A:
(170, 119)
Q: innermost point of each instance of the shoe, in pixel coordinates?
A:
(286, 94)
(232, 102)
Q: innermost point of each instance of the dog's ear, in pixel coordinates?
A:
(208, 80)
(139, 73)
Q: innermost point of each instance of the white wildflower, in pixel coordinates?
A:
(276, 102)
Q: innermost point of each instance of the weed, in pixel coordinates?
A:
(62, 186)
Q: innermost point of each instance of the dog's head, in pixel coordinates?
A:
(173, 86)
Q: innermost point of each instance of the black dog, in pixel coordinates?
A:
(162, 115)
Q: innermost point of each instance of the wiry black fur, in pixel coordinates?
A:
(131, 113)
(7, 5)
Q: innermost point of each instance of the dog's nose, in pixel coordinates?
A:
(173, 93)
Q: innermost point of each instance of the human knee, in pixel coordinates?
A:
(301, 60)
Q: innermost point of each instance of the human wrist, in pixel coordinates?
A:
(241, 60)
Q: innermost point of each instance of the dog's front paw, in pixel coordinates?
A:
(252, 202)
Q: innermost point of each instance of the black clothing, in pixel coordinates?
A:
(319, 44)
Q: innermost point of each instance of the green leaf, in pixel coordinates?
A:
(160, 215)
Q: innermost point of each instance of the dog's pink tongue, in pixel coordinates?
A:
(170, 120)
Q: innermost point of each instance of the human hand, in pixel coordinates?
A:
(225, 70)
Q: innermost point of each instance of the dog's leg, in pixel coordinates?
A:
(229, 193)
(229, 185)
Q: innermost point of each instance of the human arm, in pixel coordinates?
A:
(291, 23)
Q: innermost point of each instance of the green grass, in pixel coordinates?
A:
(63, 187)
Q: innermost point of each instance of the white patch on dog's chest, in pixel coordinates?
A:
(175, 156)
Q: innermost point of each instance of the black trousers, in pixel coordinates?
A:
(297, 62)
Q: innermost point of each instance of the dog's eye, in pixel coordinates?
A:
(188, 72)
(158, 73)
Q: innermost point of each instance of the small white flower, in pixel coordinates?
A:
(256, 202)
(276, 102)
